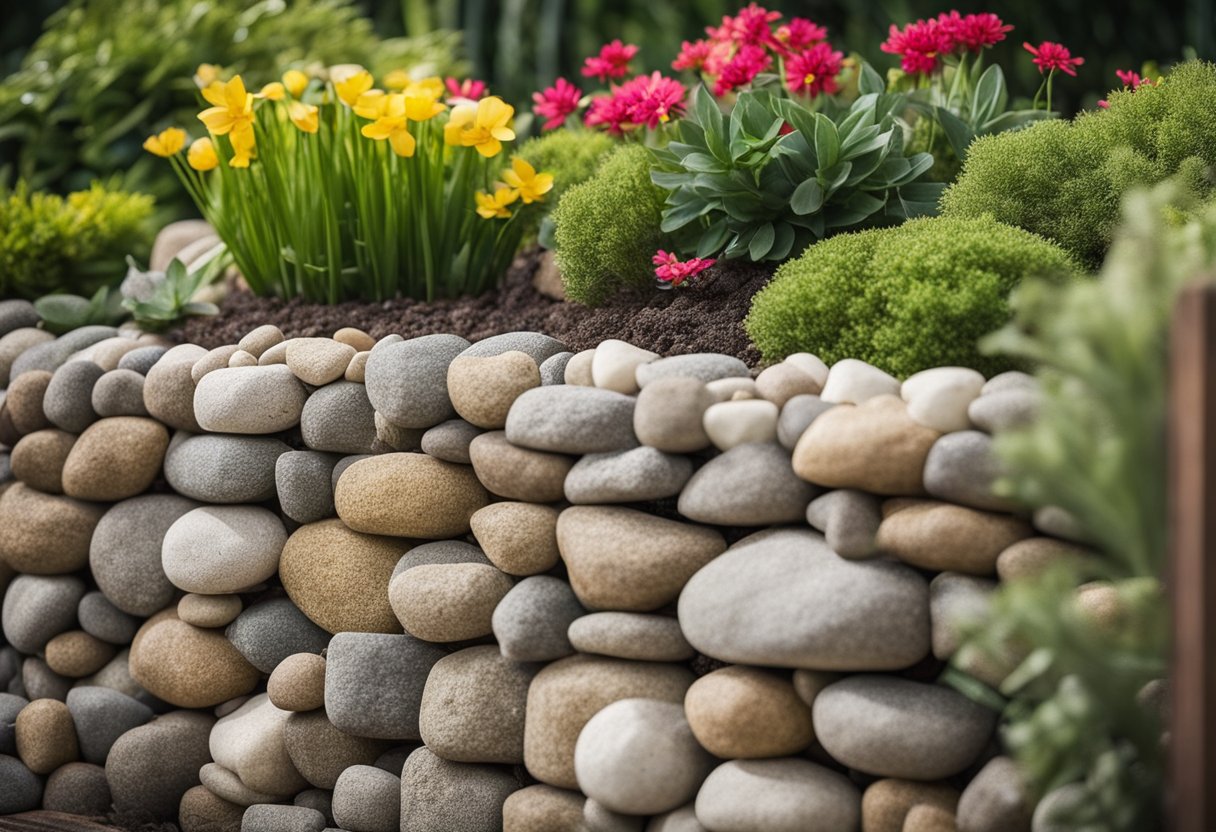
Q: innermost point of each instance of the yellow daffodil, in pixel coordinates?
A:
(530, 185)
(295, 82)
(242, 147)
(233, 110)
(392, 120)
(494, 206)
(167, 142)
(398, 79)
(201, 154)
(371, 104)
(274, 91)
(483, 125)
(303, 116)
(206, 75)
(350, 88)
(426, 88)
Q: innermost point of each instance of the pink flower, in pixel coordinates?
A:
(800, 33)
(1052, 56)
(611, 112)
(746, 64)
(648, 100)
(752, 25)
(1132, 79)
(693, 55)
(612, 61)
(555, 103)
(974, 31)
(814, 70)
(919, 45)
(671, 270)
(467, 89)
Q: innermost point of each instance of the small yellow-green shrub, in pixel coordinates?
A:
(571, 155)
(906, 298)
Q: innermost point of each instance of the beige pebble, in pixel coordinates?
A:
(261, 339)
(357, 338)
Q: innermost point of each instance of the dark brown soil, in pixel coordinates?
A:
(707, 317)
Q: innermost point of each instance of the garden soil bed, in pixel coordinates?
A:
(707, 317)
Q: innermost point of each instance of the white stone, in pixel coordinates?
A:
(724, 389)
(939, 398)
(852, 382)
(249, 400)
(218, 549)
(240, 358)
(249, 743)
(615, 363)
(744, 420)
(810, 364)
(786, 794)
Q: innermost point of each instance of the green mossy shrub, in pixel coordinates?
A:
(904, 299)
(570, 155)
(75, 243)
(1064, 179)
(607, 228)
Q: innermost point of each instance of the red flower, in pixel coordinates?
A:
(800, 33)
(612, 62)
(648, 100)
(1052, 56)
(752, 25)
(746, 64)
(919, 45)
(671, 270)
(610, 112)
(555, 103)
(813, 71)
(974, 31)
(468, 88)
(1132, 79)
(693, 55)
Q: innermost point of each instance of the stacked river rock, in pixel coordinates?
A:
(437, 586)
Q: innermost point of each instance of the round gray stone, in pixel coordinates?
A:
(268, 817)
(752, 484)
(102, 715)
(141, 359)
(440, 551)
(849, 520)
(222, 468)
(39, 607)
(531, 621)
(703, 366)
(450, 440)
(374, 683)
(119, 393)
(962, 468)
(536, 345)
(367, 799)
(68, 401)
(407, 381)
(249, 400)
(442, 796)
(634, 475)
(50, 355)
(16, 343)
(670, 412)
(304, 483)
(782, 795)
(339, 418)
(956, 604)
(796, 416)
(150, 767)
(320, 799)
(892, 727)
(17, 314)
(630, 635)
(571, 419)
(10, 705)
(996, 800)
(1006, 409)
(101, 619)
(77, 789)
(269, 632)
(20, 788)
(125, 553)
(40, 682)
(553, 368)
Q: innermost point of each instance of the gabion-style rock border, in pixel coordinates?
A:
(434, 585)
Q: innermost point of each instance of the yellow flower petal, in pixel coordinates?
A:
(167, 142)
(201, 155)
(371, 104)
(214, 93)
(489, 149)
(398, 79)
(402, 142)
(205, 75)
(303, 116)
(349, 89)
(274, 91)
(295, 82)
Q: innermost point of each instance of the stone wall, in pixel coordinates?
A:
(433, 585)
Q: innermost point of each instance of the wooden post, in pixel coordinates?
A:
(1192, 516)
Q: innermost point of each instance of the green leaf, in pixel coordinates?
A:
(827, 141)
(783, 242)
(676, 217)
(807, 198)
(707, 114)
(713, 238)
(869, 82)
(958, 133)
(989, 97)
(762, 241)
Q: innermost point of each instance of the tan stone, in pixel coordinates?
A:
(622, 559)
(542, 808)
(578, 369)
(339, 578)
(46, 736)
(188, 666)
(257, 341)
(875, 447)
(115, 458)
(37, 460)
(409, 495)
(17, 342)
(106, 354)
(518, 538)
(240, 358)
(31, 521)
(216, 359)
(1031, 557)
(169, 387)
(482, 388)
(926, 818)
(741, 712)
(356, 338)
(202, 811)
(781, 382)
(77, 654)
(568, 692)
(547, 279)
(519, 473)
(209, 611)
(357, 369)
(944, 537)
(24, 401)
(274, 354)
(298, 683)
(886, 803)
(318, 361)
(444, 602)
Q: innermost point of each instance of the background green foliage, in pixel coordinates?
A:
(107, 73)
(75, 243)
(904, 299)
(1064, 179)
(607, 228)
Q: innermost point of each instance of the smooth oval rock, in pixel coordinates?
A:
(76, 654)
(851, 381)
(630, 635)
(209, 611)
(169, 388)
(702, 366)
(46, 736)
(30, 519)
(669, 414)
(318, 361)
(531, 621)
(125, 552)
(298, 683)
(623, 559)
(892, 727)
(740, 712)
(447, 602)
(796, 416)
(536, 345)
(77, 789)
(945, 537)
(258, 340)
(115, 458)
(38, 458)
(119, 393)
(101, 619)
(450, 440)
(782, 382)
(218, 549)
(359, 698)
(962, 467)
(142, 359)
(24, 401)
(886, 803)
(149, 768)
(797, 795)
(440, 496)
(68, 402)
(407, 380)
(269, 631)
(484, 388)
(749, 485)
(303, 482)
(782, 598)
(518, 473)
(13, 344)
(367, 799)
(101, 716)
(541, 808)
(614, 365)
(518, 538)
(939, 398)
(339, 418)
(37, 608)
(630, 476)
(438, 795)
(249, 400)
(740, 421)
(321, 752)
(572, 420)
(188, 666)
(249, 743)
